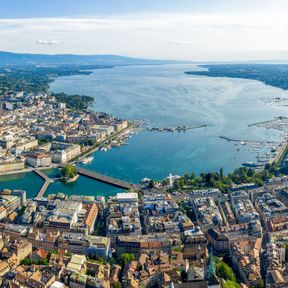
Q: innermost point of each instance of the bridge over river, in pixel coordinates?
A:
(107, 179)
(45, 185)
(91, 174)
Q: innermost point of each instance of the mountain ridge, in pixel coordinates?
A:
(11, 58)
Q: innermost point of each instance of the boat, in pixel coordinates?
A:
(251, 164)
(87, 160)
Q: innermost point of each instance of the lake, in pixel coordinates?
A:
(165, 96)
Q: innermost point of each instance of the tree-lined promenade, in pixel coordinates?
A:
(224, 182)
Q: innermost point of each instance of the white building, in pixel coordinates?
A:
(38, 159)
(127, 198)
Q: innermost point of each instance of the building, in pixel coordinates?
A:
(91, 217)
(276, 271)
(11, 203)
(125, 198)
(4, 268)
(123, 216)
(87, 245)
(7, 142)
(246, 259)
(244, 211)
(268, 206)
(100, 247)
(21, 194)
(65, 216)
(207, 212)
(195, 244)
(76, 263)
(218, 240)
(64, 152)
(78, 280)
(42, 159)
(142, 243)
(22, 249)
(26, 144)
(13, 165)
(3, 212)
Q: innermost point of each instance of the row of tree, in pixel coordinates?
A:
(224, 182)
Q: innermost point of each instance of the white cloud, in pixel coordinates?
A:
(164, 36)
(47, 42)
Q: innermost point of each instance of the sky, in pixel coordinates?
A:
(195, 30)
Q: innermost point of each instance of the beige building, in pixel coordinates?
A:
(39, 159)
(64, 152)
(4, 268)
(10, 202)
(11, 166)
(23, 249)
(3, 212)
(27, 144)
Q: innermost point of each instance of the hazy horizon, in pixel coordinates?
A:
(226, 31)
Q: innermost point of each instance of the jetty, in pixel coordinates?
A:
(268, 121)
(246, 141)
(175, 129)
(45, 185)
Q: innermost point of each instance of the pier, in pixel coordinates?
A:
(45, 185)
(175, 129)
(106, 179)
(246, 141)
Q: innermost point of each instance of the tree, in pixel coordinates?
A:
(90, 142)
(69, 171)
(260, 284)
(225, 272)
(176, 184)
(111, 261)
(181, 182)
(221, 173)
(164, 182)
(126, 258)
(151, 184)
(250, 172)
(117, 285)
(259, 181)
(231, 284)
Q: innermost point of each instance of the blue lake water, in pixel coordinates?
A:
(166, 96)
(27, 181)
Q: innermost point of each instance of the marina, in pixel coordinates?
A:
(266, 151)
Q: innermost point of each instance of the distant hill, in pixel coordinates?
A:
(19, 59)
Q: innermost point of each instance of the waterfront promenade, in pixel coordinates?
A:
(280, 153)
